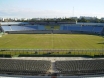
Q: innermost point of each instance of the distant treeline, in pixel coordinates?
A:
(92, 20)
(96, 20)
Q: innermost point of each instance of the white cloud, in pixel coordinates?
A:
(31, 13)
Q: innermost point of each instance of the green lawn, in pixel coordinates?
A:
(51, 41)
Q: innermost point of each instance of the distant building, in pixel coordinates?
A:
(102, 18)
(1, 19)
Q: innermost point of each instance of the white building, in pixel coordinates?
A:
(1, 19)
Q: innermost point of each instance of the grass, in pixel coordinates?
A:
(51, 41)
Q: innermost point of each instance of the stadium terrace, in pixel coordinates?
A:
(51, 49)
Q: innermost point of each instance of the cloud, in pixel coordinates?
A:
(31, 13)
(25, 12)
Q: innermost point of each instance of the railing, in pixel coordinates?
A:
(52, 52)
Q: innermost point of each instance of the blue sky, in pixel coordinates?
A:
(51, 8)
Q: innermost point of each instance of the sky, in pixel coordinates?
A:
(51, 8)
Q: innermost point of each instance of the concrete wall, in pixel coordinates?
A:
(30, 32)
(91, 76)
(40, 32)
(48, 32)
(13, 23)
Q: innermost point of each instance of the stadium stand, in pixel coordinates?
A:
(42, 67)
(98, 29)
(70, 27)
(17, 28)
(47, 27)
(41, 27)
(13, 23)
(24, 67)
(87, 28)
(0, 29)
(52, 27)
(83, 28)
(6, 28)
(30, 27)
(56, 27)
(22, 28)
(80, 67)
(64, 28)
(74, 28)
(61, 27)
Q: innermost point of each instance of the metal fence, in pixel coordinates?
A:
(54, 51)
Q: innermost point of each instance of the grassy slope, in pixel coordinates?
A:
(51, 41)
